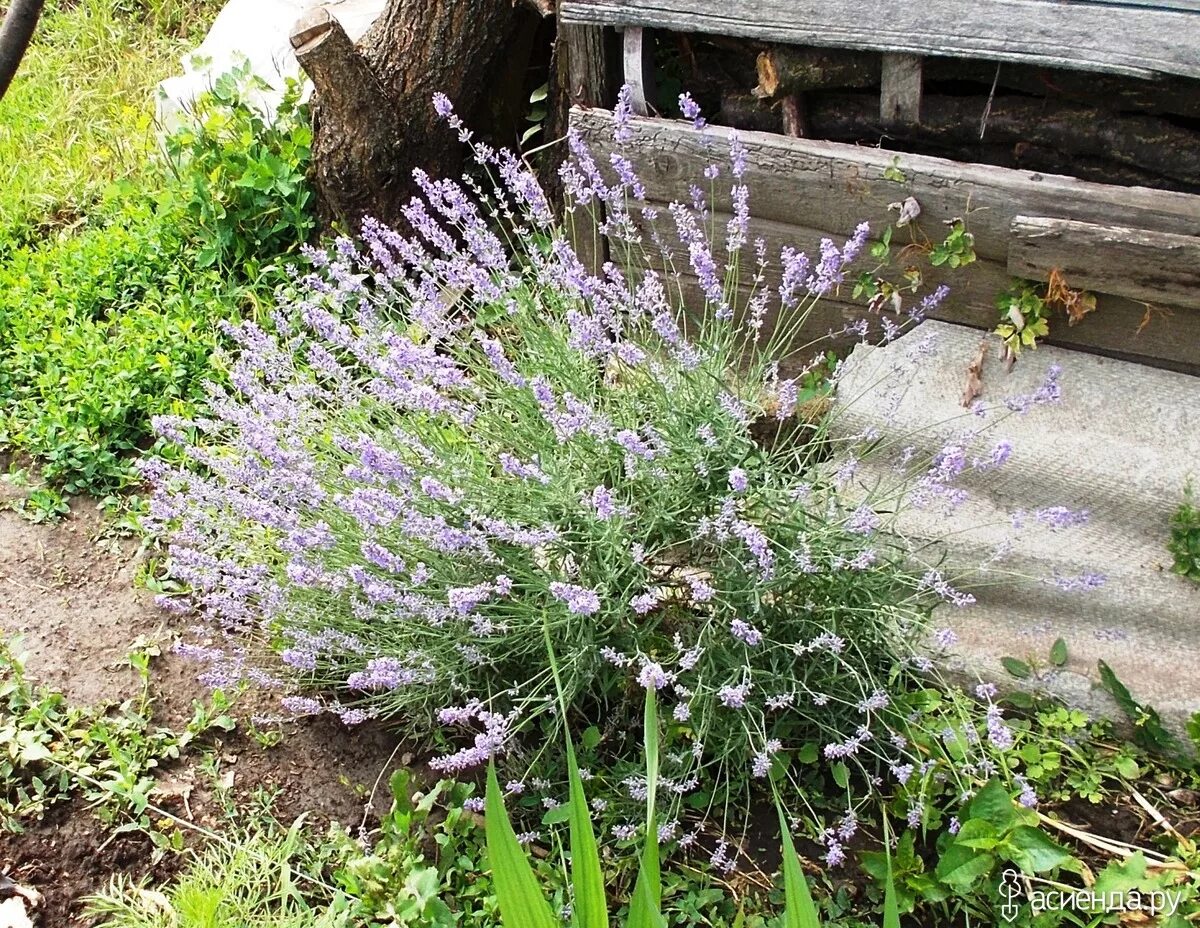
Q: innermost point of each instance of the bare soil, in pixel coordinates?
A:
(67, 593)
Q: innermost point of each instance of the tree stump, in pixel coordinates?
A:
(373, 120)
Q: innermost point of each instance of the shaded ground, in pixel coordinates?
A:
(67, 592)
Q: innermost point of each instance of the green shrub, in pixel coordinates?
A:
(443, 450)
(240, 188)
(117, 322)
(239, 881)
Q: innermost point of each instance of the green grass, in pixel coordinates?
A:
(79, 114)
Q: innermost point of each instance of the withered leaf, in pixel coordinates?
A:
(974, 385)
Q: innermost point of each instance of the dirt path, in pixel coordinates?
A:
(67, 593)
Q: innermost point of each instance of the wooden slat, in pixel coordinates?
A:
(900, 90)
(637, 60)
(803, 190)
(1112, 329)
(1157, 267)
(1137, 40)
(587, 65)
(793, 180)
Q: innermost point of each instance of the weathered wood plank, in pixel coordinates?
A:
(795, 180)
(637, 58)
(1186, 5)
(1158, 267)
(1171, 333)
(803, 190)
(900, 90)
(587, 64)
(1136, 40)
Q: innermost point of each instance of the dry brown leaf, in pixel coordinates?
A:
(974, 385)
(1075, 303)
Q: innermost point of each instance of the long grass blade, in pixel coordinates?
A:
(891, 909)
(590, 905)
(522, 904)
(799, 911)
(645, 908)
(590, 909)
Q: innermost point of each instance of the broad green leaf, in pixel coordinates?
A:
(1017, 668)
(891, 910)
(799, 910)
(1058, 653)
(521, 902)
(557, 815)
(979, 834)
(841, 775)
(1034, 851)
(994, 804)
(587, 880)
(960, 867)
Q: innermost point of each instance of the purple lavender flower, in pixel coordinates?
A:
(622, 115)
(1056, 517)
(643, 603)
(945, 638)
(863, 521)
(999, 734)
(745, 632)
(734, 697)
(691, 110)
(602, 503)
(579, 600)
(653, 675)
(738, 481)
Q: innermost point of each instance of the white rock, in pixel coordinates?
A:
(255, 31)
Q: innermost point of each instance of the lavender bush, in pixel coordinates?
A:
(457, 445)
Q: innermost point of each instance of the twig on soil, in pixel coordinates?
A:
(1112, 845)
(1159, 818)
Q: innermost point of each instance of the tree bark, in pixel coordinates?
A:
(15, 35)
(373, 119)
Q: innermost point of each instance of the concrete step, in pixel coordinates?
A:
(1121, 443)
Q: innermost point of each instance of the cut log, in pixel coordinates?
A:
(372, 116)
(1177, 96)
(746, 111)
(783, 70)
(1147, 144)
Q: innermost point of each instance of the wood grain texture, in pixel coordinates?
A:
(587, 65)
(1139, 40)
(1157, 267)
(637, 60)
(803, 190)
(900, 90)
